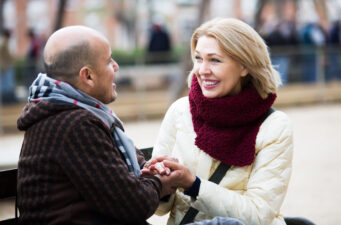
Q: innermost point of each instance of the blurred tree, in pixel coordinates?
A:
(60, 14)
(203, 14)
(321, 10)
(21, 26)
(125, 11)
(258, 12)
(2, 3)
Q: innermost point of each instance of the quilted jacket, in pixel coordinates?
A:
(253, 194)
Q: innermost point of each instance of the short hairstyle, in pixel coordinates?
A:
(243, 44)
(66, 64)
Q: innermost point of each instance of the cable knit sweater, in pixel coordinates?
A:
(70, 171)
(253, 193)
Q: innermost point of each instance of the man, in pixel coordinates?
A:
(76, 164)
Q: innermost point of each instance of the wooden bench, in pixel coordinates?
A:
(8, 189)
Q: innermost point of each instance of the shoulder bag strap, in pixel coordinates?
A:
(216, 177)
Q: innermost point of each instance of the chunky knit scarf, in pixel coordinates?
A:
(227, 127)
(59, 92)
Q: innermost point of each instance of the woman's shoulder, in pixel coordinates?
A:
(181, 102)
(181, 105)
(276, 126)
(279, 119)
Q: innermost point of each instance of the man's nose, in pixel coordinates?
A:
(116, 66)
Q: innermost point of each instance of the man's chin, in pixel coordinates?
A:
(114, 97)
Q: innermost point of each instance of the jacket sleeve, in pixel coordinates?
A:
(167, 134)
(164, 146)
(101, 176)
(260, 202)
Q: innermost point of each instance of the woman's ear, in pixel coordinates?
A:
(86, 77)
(244, 72)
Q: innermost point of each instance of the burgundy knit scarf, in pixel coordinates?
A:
(227, 127)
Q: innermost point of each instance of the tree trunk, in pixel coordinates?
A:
(60, 14)
(2, 3)
(259, 8)
(203, 11)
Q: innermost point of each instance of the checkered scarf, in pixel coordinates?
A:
(60, 92)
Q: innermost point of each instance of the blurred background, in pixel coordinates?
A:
(150, 41)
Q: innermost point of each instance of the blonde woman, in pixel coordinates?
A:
(225, 119)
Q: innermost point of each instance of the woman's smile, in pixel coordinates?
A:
(208, 84)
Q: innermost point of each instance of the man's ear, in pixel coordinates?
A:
(86, 76)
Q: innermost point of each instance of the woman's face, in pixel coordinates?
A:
(218, 74)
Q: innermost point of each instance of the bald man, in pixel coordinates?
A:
(76, 164)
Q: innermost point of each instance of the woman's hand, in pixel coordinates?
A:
(156, 166)
(165, 165)
(185, 179)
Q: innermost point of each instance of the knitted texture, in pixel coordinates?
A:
(227, 127)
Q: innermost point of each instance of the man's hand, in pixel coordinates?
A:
(169, 183)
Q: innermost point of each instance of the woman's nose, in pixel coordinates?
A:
(204, 68)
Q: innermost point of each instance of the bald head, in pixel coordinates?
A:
(68, 50)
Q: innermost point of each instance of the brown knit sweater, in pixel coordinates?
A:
(70, 171)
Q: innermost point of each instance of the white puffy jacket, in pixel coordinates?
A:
(253, 194)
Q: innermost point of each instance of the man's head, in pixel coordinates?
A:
(81, 56)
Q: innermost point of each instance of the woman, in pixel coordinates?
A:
(225, 120)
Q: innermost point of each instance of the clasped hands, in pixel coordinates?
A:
(170, 172)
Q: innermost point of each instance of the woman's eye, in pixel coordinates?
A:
(197, 58)
(215, 60)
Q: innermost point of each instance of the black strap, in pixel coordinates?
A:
(271, 110)
(216, 177)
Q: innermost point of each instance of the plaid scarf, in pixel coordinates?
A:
(60, 92)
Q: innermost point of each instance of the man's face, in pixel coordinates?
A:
(105, 88)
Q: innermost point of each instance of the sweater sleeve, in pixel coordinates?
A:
(261, 201)
(101, 176)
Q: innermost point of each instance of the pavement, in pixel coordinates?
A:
(315, 187)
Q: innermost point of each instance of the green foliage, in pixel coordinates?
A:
(19, 68)
(141, 56)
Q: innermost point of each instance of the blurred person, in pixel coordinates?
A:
(7, 79)
(227, 119)
(159, 45)
(312, 36)
(334, 59)
(283, 35)
(76, 164)
(33, 56)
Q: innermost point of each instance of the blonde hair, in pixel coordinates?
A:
(243, 44)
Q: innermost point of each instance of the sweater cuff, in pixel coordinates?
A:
(193, 191)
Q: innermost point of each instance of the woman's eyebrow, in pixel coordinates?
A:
(209, 54)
